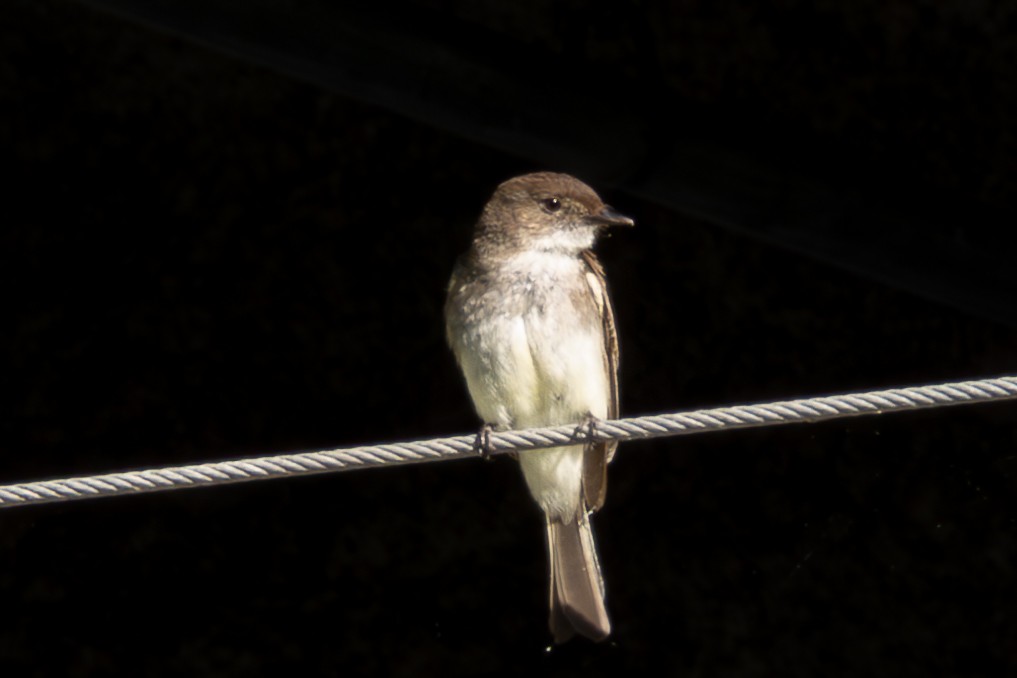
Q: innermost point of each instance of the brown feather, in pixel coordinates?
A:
(598, 455)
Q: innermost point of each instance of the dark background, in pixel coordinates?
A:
(205, 257)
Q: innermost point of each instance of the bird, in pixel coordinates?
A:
(531, 325)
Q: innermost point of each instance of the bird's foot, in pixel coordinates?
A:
(482, 443)
(587, 428)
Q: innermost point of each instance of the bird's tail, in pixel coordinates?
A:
(577, 588)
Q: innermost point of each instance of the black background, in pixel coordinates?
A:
(203, 258)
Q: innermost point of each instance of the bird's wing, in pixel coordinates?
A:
(597, 455)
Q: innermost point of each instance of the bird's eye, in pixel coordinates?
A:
(551, 204)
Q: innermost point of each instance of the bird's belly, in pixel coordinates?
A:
(535, 369)
(543, 371)
(571, 369)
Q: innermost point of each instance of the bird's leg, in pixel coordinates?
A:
(482, 444)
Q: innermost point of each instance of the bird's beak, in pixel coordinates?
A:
(608, 217)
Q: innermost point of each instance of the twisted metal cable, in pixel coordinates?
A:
(654, 426)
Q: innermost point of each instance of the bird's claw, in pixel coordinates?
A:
(482, 443)
(587, 428)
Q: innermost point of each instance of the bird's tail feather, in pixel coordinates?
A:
(577, 588)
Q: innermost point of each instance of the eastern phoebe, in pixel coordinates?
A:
(530, 322)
